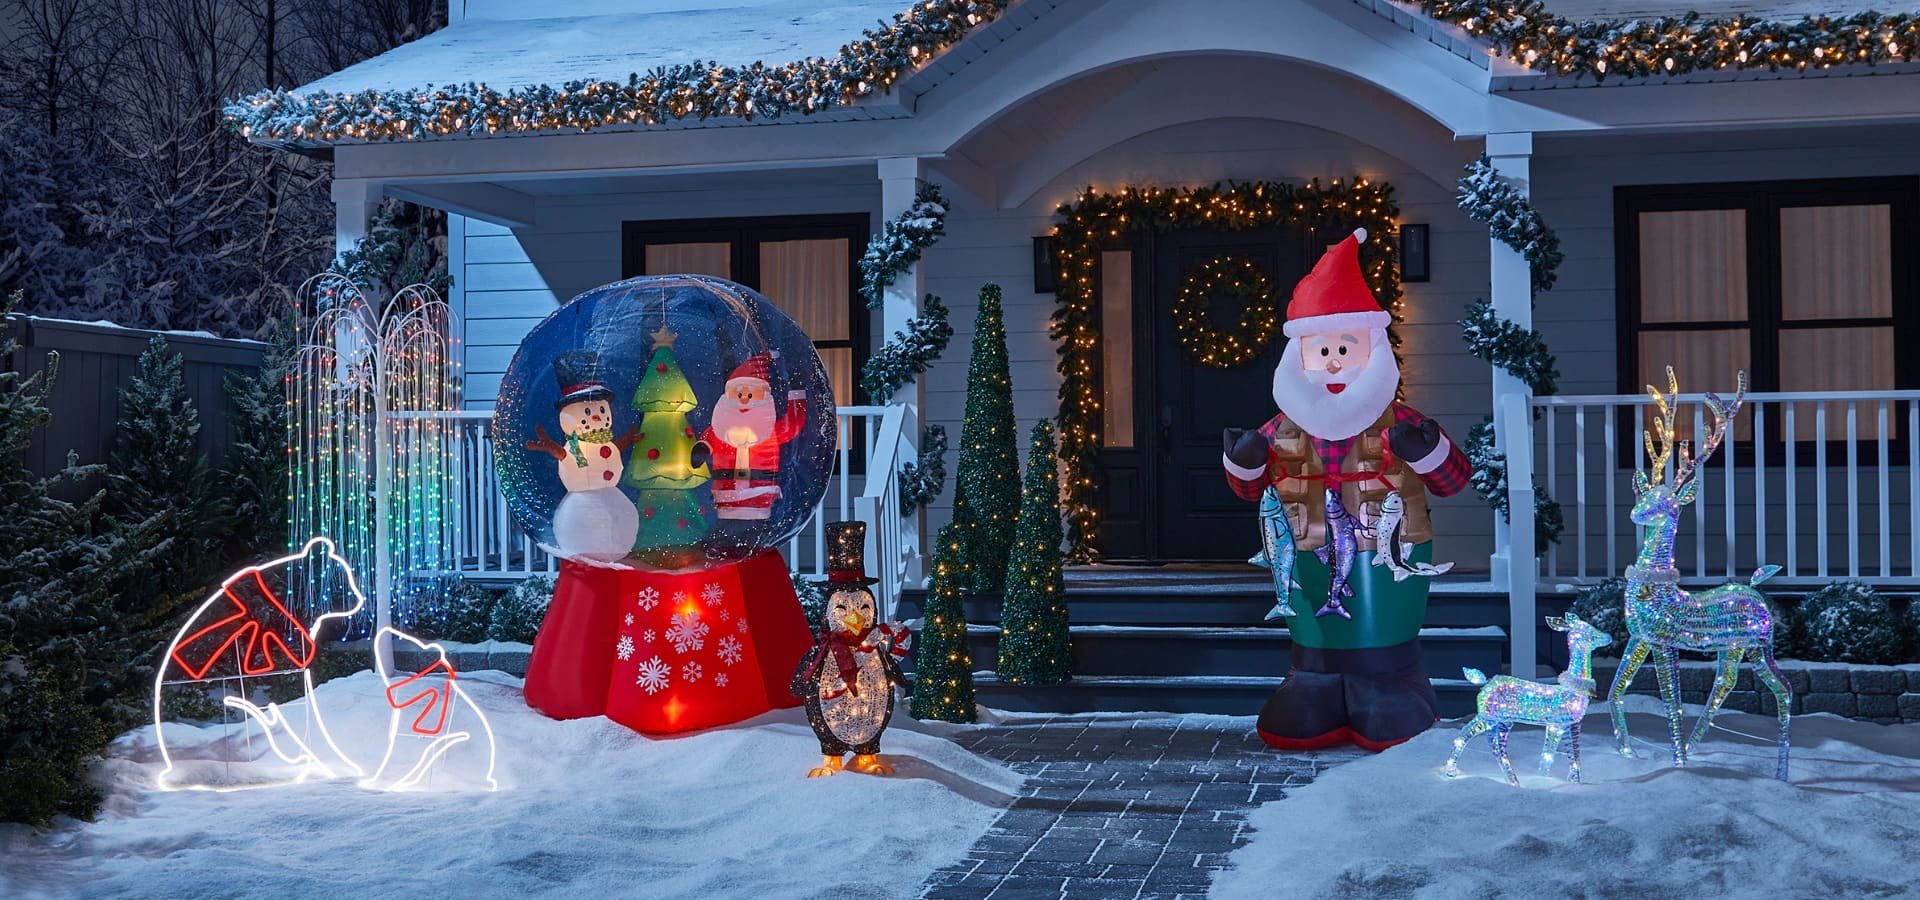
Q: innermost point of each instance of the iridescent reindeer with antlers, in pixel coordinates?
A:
(1731, 621)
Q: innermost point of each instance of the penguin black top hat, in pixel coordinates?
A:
(847, 555)
(578, 372)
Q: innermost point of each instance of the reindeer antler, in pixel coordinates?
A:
(1660, 449)
(1723, 413)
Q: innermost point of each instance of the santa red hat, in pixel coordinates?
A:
(1334, 296)
(758, 367)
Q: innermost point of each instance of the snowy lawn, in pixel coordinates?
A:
(1392, 826)
(586, 809)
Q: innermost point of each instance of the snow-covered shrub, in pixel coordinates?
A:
(812, 600)
(463, 616)
(1849, 622)
(48, 736)
(518, 613)
(1604, 607)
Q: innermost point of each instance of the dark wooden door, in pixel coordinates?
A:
(1197, 516)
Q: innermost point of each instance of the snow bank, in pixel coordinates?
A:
(1392, 826)
(586, 809)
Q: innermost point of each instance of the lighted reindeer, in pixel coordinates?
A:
(1732, 620)
(1507, 700)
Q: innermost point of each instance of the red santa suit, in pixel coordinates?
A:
(746, 476)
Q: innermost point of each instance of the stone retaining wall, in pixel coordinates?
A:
(1883, 694)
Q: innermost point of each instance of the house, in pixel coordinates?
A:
(1737, 193)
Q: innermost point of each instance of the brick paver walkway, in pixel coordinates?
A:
(1122, 808)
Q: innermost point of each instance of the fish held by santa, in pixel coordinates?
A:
(1277, 552)
(1393, 552)
(1342, 545)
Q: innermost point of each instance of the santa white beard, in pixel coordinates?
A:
(743, 426)
(1303, 396)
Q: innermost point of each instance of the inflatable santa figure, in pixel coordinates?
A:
(744, 440)
(1339, 447)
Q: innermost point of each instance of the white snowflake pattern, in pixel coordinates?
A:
(647, 636)
(687, 632)
(742, 625)
(629, 618)
(726, 616)
(690, 672)
(729, 649)
(625, 648)
(682, 599)
(712, 594)
(720, 679)
(649, 598)
(653, 675)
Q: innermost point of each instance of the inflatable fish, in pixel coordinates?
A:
(1392, 552)
(1337, 554)
(1277, 552)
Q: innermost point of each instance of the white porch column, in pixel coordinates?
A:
(900, 178)
(1513, 300)
(353, 202)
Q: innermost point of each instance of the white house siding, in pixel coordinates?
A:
(995, 245)
(1573, 185)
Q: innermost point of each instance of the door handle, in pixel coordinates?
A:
(1166, 427)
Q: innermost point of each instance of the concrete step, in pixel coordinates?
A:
(1208, 605)
(1210, 694)
(1156, 651)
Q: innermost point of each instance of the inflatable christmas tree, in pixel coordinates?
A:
(660, 466)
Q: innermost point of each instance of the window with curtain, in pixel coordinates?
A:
(805, 265)
(1808, 286)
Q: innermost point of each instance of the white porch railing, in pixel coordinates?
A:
(486, 542)
(1837, 498)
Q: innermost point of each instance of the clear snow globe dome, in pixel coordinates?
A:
(670, 422)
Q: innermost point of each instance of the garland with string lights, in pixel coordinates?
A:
(1525, 32)
(1096, 221)
(696, 90)
(899, 244)
(1234, 276)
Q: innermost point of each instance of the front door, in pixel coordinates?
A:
(1189, 402)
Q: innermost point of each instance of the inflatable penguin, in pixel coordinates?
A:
(847, 678)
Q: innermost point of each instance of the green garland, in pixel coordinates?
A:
(1527, 33)
(1500, 206)
(909, 353)
(1489, 480)
(921, 482)
(697, 90)
(1520, 351)
(898, 245)
(1259, 316)
(1095, 220)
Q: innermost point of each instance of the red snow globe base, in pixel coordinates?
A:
(665, 652)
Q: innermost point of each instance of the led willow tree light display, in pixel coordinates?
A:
(374, 451)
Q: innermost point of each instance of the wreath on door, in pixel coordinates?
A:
(1234, 276)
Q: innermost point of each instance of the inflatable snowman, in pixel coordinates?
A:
(594, 520)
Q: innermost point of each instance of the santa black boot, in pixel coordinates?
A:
(1308, 711)
(1388, 696)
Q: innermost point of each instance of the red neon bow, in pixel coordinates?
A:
(252, 626)
(439, 697)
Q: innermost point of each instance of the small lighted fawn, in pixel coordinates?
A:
(1731, 621)
(1507, 700)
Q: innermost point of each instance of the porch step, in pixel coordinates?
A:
(1206, 694)
(1174, 602)
(1163, 652)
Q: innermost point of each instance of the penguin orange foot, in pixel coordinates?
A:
(870, 763)
(829, 765)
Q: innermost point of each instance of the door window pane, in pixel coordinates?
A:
(1838, 359)
(1116, 347)
(1836, 262)
(1702, 361)
(707, 258)
(1693, 266)
(808, 280)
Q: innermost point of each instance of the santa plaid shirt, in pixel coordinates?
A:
(1448, 475)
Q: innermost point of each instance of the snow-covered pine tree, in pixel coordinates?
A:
(942, 663)
(518, 613)
(987, 484)
(1035, 647)
(156, 468)
(254, 474)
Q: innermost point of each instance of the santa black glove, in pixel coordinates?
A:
(700, 455)
(1413, 443)
(1247, 449)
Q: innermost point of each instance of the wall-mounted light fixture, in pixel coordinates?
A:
(1413, 253)
(1046, 265)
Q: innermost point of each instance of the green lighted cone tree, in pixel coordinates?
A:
(942, 665)
(987, 486)
(1034, 643)
(660, 465)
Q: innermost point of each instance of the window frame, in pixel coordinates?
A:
(1762, 202)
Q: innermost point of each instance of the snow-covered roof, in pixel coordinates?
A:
(554, 43)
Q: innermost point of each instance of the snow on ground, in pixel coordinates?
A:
(586, 809)
(1392, 826)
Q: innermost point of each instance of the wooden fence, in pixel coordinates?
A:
(97, 360)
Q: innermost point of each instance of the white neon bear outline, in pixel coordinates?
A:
(443, 739)
(271, 715)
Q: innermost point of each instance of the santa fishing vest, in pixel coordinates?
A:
(1306, 498)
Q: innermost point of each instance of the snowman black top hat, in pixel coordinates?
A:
(578, 372)
(847, 556)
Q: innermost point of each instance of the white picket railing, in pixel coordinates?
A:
(1839, 499)
(486, 542)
